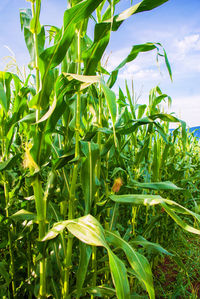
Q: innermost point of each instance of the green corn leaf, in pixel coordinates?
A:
(25, 17)
(156, 160)
(57, 228)
(147, 5)
(138, 262)
(35, 26)
(130, 128)
(119, 276)
(42, 98)
(29, 40)
(9, 163)
(101, 291)
(75, 82)
(49, 112)
(167, 64)
(31, 117)
(88, 230)
(85, 254)
(156, 185)
(161, 131)
(111, 101)
(24, 215)
(169, 206)
(139, 240)
(179, 221)
(39, 198)
(165, 117)
(141, 154)
(107, 146)
(93, 55)
(63, 160)
(141, 110)
(5, 80)
(144, 5)
(159, 99)
(132, 55)
(54, 55)
(3, 98)
(91, 152)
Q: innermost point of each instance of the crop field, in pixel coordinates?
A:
(98, 197)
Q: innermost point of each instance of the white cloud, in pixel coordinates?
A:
(141, 74)
(188, 43)
(187, 108)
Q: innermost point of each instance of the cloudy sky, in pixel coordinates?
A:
(175, 24)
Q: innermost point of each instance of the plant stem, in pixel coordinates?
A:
(67, 261)
(134, 214)
(114, 216)
(98, 173)
(36, 15)
(40, 200)
(10, 241)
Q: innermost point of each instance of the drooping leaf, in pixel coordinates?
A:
(167, 64)
(48, 113)
(170, 206)
(139, 240)
(119, 276)
(132, 55)
(137, 199)
(180, 222)
(157, 185)
(138, 262)
(88, 230)
(130, 127)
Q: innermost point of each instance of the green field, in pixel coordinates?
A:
(98, 197)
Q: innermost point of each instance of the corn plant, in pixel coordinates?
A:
(76, 161)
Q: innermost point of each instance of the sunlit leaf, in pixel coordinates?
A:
(138, 262)
(119, 276)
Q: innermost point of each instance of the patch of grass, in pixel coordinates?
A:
(179, 276)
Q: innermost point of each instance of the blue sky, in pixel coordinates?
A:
(175, 24)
